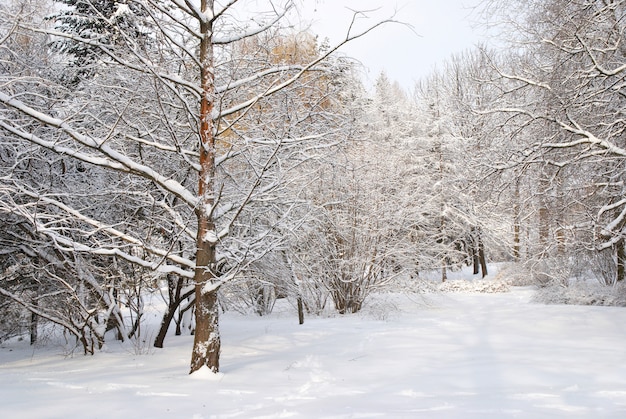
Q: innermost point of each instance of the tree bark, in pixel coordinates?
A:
(475, 261)
(481, 256)
(474, 251)
(300, 310)
(544, 219)
(516, 222)
(175, 300)
(206, 347)
(34, 320)
(621, 261)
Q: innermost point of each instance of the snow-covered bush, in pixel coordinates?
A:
(410, 285)
(380, 307)
(582, 293)
(248, 295)
(515, 275)
(12, 319)
(603, 266)
(461, 283)
(482, 286)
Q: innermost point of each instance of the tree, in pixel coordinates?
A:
(454, 146)
(159, 116)
(106, 21)
(359, 230)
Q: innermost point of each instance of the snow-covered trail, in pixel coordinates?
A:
(461, 356)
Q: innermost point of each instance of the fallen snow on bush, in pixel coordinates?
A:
(482, 285)
(461, 280)
(582, 293)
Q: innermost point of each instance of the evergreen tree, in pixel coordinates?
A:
(94, 25)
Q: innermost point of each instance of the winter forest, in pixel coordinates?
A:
(166, 163)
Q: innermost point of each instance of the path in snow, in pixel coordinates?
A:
(461, 356)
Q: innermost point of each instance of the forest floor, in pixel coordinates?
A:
(448, 355)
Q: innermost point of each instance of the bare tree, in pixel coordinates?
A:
(161, 114)
(565, 93)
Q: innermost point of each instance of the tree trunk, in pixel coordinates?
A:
(167, 319)
(516, 222)
(544, 219)
(474, 251)
(481, 256)
(173, 292)
(621, 261)
(476, 261)
(207, 343)
(112, 321)
(296, 284)
(206, 346)
(300, 310)
(33, 325)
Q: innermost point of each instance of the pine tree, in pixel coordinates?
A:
(103, 23)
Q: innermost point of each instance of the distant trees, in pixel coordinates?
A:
(565, 96)
(458, 147)
(543, 124)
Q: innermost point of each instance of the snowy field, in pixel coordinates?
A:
(447, 356)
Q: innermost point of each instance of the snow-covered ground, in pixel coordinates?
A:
(449, 356)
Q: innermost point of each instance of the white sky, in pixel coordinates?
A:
(439, 29)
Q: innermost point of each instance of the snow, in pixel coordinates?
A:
(205, 373)
(453, 355)
(210, 236)
(122, 10)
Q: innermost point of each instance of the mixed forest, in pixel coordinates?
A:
(184, 150)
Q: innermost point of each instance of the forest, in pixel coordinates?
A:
(178, 150)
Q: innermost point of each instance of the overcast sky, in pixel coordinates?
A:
(438, 29)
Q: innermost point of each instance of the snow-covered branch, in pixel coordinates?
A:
(106, 156)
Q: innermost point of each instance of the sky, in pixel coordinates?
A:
(433, 31)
